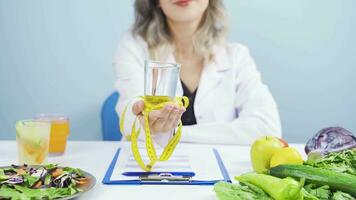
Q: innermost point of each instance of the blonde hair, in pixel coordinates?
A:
(151, 25)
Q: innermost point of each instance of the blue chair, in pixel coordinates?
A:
(109, 119)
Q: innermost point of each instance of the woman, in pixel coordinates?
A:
(229, 104)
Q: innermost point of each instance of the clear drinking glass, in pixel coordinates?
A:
(161, 79)
(59, 132)
(32, 141)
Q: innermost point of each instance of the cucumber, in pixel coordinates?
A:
(320, 177)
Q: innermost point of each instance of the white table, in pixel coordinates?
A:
(95, 157)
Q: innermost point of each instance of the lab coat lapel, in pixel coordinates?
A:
(213, 73)
(208, 80)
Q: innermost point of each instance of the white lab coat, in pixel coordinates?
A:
(232, 105)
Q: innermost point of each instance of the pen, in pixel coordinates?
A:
(191, 174)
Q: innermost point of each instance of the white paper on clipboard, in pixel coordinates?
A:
(200, 160)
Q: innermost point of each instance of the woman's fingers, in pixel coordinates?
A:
(159, 117)
(153, 117)
(181, 111)
(172, 119)
(167, 111)
(138, 107)
(165, 119)
(161, 114)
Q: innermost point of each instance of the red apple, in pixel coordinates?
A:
(284, 143)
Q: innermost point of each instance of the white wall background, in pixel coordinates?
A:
(55, 56)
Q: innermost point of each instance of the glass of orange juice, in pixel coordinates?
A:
(59, 132)
(32, 140)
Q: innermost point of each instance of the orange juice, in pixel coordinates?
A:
(59, 134)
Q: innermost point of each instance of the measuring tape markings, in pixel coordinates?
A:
(151, 151)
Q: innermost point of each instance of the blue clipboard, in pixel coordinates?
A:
(107, 178)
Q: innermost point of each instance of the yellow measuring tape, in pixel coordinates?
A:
(153, 103)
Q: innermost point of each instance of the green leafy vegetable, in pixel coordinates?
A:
(73, 170)
(10, 193)
(344, 161)
(342, 196)
(308, 196)
(2, 175)
(50, 166)
(322, 193)
(47, 179)
(45, 193)
(31, 180)
(229, 191)
(62, 192)
(31, 193)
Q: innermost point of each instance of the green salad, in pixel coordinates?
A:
(42, 182)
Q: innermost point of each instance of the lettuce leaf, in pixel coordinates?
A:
(19, 192)
(61, 192)
(342, 196)
(47, 193)
(322, 193)
(344, 161)
(308, 196)
(10, 193)
(2, 175)
(229, 191)
(50, 166)
(30, 193)
(73, 170)
(30, 180)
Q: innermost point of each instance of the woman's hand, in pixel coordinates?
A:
(160, 121)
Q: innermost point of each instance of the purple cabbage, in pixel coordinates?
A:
(14, 180)
(332, 139)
